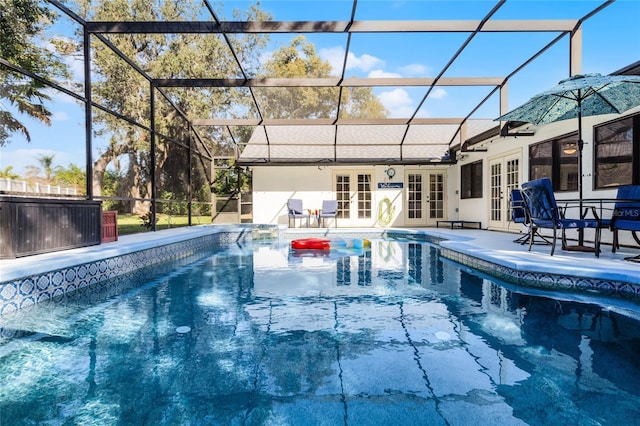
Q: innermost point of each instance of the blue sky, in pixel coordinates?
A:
(611, 40)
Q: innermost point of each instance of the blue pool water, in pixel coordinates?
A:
(259, 335)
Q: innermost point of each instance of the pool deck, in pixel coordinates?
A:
(495, 248)
(499, 248)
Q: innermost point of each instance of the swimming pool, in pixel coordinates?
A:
(256, 334)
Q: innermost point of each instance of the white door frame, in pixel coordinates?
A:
(425, 196)
(505, 174)
(355, 196)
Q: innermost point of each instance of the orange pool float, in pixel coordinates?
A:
(311, 244)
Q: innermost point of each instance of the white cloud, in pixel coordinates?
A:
(367, 63)
(414, 70)
(383, 74)
(75, 63)
(438, 93)
(76, 66)
(423, 113)
(60, 116)
(398, 102)
(364, 62)
(335, 57)
(265, 57)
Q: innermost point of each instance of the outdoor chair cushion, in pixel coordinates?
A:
(626, 215)
(295, 210)
(518, 214)
(544, 212)
(329, 210)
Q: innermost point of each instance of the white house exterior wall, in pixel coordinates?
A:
(274, 185)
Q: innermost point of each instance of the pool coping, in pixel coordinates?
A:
(30, 280)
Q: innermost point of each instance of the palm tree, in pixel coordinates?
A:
(7, 173)
(46, 161)
(22, 23)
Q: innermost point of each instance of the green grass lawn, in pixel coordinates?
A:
(132, 224)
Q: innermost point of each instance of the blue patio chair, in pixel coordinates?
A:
(296, 211)
(544, 213)
(520, 215)
(626, 216)
(329, 210)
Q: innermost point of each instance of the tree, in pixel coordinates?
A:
(299, 59)
(46, 168)
(46, 161)
(227, 176)
(7, 173)
(22, 22)
(121, 89)
(72, 175)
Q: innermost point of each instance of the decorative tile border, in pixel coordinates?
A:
(546, 281)
(27, 291)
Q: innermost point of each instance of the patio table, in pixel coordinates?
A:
(313, 214)
(600, 206)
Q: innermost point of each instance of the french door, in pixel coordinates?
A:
(354, 195)
(504, 175)
(424, 197)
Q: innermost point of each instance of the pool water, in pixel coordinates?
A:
(261, 335)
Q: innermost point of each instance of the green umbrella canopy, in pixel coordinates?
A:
(589, 94)
(579, 96)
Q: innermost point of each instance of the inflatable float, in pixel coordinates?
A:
(311, 244)
(329, 248)
(326, 244)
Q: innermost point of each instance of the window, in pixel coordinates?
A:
(556, 159)
(617, 153)
(471, 182)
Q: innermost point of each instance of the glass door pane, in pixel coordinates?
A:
(436, 195)
(364, 196)
(513, 179)
(343, 195)
(414, 196)
(496, 191)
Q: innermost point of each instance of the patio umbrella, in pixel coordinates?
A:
(578, 96)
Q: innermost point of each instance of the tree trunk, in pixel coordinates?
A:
(135, 185)
(100, 166)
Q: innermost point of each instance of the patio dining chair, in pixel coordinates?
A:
(520, 215)
(296, 211)
(544, 213)
(329, 210)
(626, 216)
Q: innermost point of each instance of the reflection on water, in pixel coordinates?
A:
(390, 335)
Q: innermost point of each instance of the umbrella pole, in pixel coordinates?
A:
(580, 147)
(580, 246)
